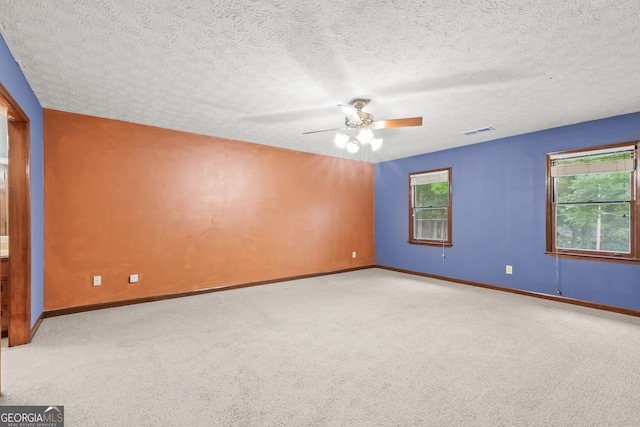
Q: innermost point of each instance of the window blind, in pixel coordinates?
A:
(586, 167)
(627, 165)
(430, 178)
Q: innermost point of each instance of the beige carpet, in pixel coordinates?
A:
(366, 348)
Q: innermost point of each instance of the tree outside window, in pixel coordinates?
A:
(592, 202)
(430, 207)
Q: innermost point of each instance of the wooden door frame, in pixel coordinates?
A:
(19, 219)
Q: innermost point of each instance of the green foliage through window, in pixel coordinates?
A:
(593, 210)
(430, 208)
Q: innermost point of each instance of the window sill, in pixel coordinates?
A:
(430, 243)
(602, 258)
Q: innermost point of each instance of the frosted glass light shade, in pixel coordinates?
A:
(365, 135)
(376, 143)
(352, 145)
(341, 140)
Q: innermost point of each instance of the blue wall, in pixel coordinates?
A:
(14, 81)
(498, 216)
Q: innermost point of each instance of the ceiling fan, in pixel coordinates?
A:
(364, 124)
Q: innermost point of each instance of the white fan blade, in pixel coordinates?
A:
(325, 130)
(351, 113)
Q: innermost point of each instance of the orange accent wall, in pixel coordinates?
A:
(188, 212)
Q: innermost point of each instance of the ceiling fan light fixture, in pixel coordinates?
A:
(352, 145)
(364, 124)
(341, 140)
(376, 143)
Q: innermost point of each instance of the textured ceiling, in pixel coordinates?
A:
(266, 71)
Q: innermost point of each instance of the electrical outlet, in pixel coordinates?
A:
(133, 278)
(353, 254)
(509, 269)
(97, 280)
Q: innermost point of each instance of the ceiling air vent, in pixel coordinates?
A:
(475, 131)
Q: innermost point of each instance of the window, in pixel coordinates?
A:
(591, 202)
(430, 207)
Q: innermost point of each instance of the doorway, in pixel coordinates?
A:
(19, 219)
(19, 225)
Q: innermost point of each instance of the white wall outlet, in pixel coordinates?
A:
(97, 280)
(353, 254)
(133, 278)
(509, 269)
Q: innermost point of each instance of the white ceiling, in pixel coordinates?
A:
(266, 71)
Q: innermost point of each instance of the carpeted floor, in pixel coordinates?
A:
(366, 348)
